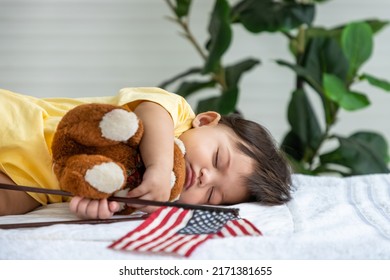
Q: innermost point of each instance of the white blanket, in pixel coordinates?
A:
(328, 218)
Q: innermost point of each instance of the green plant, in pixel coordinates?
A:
(212, 74)
(327, 65)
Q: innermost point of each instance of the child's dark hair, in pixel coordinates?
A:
(270, 181)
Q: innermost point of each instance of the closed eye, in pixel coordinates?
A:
(216, 158)
(210, 195)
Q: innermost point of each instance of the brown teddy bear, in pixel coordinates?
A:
(96, 155)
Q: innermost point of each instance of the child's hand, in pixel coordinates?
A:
(155, 186)
(93, 209)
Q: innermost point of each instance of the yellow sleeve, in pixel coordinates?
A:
(180, 111)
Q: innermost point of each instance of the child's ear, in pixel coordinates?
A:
(207, 118)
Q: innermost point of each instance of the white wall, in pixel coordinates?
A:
(95, 47)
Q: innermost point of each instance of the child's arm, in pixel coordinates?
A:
(157, 154)
(14, 202)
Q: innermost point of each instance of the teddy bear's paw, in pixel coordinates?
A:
(106, 177)
(119, 125)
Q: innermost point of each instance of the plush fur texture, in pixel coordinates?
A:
(96, 155)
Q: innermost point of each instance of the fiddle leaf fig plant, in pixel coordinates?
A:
(327, 64)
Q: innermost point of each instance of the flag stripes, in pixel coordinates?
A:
(181, 231)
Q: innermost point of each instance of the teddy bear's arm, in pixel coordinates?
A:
(99, 125)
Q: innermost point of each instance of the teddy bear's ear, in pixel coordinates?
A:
(181, 146)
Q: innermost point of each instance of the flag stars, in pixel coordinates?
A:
(206, 222)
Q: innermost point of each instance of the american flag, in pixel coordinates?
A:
(180, 231)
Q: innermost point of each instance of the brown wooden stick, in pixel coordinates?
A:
(74, 222)
(127, 200)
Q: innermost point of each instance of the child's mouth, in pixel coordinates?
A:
(189, 177)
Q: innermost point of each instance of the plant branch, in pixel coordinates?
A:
(325, 136)
(187, 32)
(219, 76)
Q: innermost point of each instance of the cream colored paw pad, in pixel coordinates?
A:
(119, 125)
(106, 177)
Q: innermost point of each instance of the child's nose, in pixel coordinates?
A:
(206, 177)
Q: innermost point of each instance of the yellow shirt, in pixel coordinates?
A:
(28, 125)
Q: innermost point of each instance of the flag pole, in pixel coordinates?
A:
(127, 200)
(73, 222)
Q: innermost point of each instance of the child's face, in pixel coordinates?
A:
(215, 167)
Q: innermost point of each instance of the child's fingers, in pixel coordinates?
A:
(148, 209)
(113, 206)
(103, 210)
(138, 192)
(87, 209)
(145, 196)
(78, 206)
(91, 210)
(74, 202)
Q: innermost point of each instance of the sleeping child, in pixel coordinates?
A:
(229, 159)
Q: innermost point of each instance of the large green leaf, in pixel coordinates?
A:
(182, 8)
(311, 32)
(376, 25)
(324, 55)
(336, 90)
(293, 146)
(220, 36)
(303, 120)
(208, 104)
(304, 73)
(362, 153)
(268, 15)
(228, 100)
(330, 107)
(380, 83)
(187, 88)
(225, 103)
(234, 72)
(357, 44)
(295, 151)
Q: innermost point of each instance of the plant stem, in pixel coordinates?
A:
(301, 41)
(187, 32)
(219, 76)
(316, 151)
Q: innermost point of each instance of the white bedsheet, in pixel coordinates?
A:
(328, 218)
